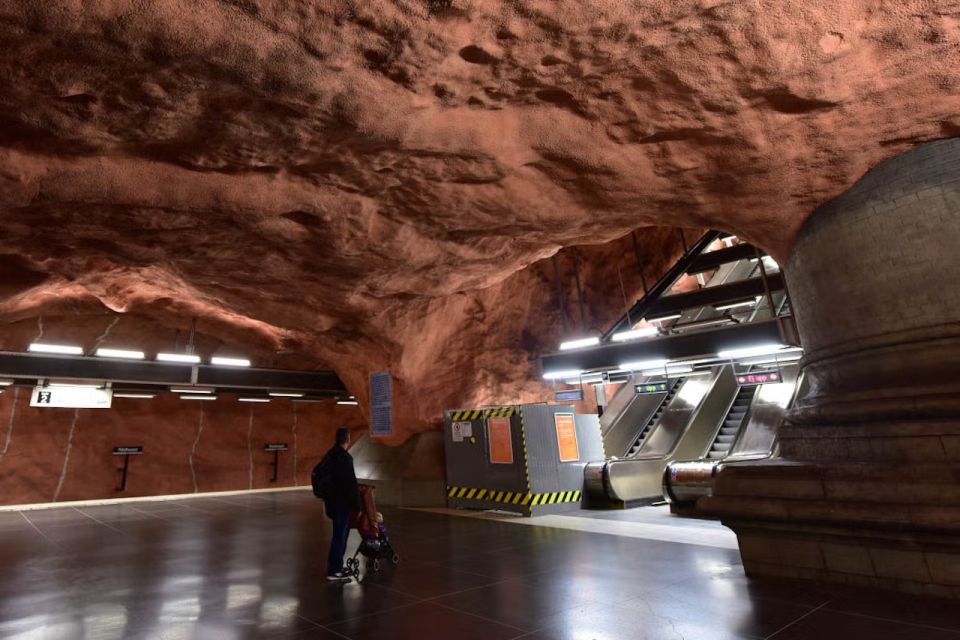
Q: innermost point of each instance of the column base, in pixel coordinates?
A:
(886, 526)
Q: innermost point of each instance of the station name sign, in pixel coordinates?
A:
(651, 387)
(127, 451)
(759, 377)
(275, 446)
(71, 397)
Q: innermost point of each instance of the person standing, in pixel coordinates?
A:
(335, 480)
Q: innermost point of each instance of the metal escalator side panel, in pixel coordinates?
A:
(758, 434)
(618, 440)
(619, 403)
(680, 413)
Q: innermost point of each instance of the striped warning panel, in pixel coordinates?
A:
(475, 414)
(513, 497)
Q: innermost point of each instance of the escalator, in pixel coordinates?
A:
(654, 419)
(732, 423)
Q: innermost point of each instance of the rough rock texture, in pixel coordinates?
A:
(368, 184)
(66, 454)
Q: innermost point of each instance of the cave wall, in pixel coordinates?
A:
(189, 446)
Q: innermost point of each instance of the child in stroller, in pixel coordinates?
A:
(374, 544)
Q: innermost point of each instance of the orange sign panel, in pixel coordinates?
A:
(501, 440)
(567, 437)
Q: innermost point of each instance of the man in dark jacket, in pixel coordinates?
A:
(341, 498)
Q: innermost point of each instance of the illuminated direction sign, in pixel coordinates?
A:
(651, 387)
(759, 377)
(570, 396)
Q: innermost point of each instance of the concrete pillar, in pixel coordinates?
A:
(865, 488)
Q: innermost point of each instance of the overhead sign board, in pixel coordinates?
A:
(381, 404)
(651, 387)
(759, 377)
(500, 437)
(275, 446)
(574, 395)
(71, 397)
(127, 451)
(567, 437)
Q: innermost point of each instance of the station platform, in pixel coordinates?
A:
(252, 566)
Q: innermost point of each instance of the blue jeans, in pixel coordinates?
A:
(338, 541)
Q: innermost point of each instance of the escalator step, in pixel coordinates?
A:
(725, 439)
(715, 454)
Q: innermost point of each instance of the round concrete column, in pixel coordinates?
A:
(865, 488)
(874, 280)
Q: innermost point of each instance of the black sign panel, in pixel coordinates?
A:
(759, 377)
(570, 396)
(651, 387)
(123, 451)
(275, 446)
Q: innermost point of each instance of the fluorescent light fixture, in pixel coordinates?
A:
(6, 383)
(230, 362)
(120, 353)
(557, 375)
(190, 390)
(734, 305)
(39, 347)
(245, 399)
(178, 357)
(194, 396)
(285, 394)
(579, 343)
(77, 385)
(634, 334)
(589, 378)
(747, 352)
(671, 370)
(672, 316)
(124, 394)
(642, 364)
(348, 402)
(310, 399)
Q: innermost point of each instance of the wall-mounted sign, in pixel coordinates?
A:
(570, 396)
(759, 377)
(275, 446)
(651, 387)
(461, 430)
(500, 437)
(567, 437)
(381, 404)
(127, 451)
(71, 397)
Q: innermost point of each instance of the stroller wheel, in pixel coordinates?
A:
(352, 567)
(396, 558)
(376, 564)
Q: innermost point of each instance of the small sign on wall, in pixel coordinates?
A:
(381, 404)
(71, 397)
(461, 430)
(567, 437)
(127, 451)
(275, 446)
(500, 437)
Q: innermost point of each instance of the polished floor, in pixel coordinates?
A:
(252, 566)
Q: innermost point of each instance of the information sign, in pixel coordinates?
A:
(461, 430)
(500, 437)
(275, 446)
(127, 451)
(567, 437)
(651, 387)
(71, 397)
(381, 404)
(574, 395)
(759, 377)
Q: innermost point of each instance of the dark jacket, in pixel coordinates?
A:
(343, 494)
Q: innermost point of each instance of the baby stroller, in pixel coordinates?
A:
(374, 544)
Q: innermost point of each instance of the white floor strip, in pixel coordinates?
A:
(181, 496)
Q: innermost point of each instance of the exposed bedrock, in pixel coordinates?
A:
(368, 184)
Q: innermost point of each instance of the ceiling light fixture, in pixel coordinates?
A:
(124, 394)
(39, 347)
(120, 353)
(194, 396)
(672, 316)
(634, 334)
(756, 350)
(178, 357)
(348, 402)
(734, 305)
(6, 383)
(245, 399)
(670, 370)
(190, 390)
(285, 394)
(230, 362)
(642, 365)
(556, 375)
(579, 343)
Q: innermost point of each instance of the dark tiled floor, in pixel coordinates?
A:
(251, 566)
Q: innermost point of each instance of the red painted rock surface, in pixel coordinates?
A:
(372, 185)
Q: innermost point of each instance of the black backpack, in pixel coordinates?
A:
(321, 478)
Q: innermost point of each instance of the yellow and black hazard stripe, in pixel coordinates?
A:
(476, 414)
(513, 497)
